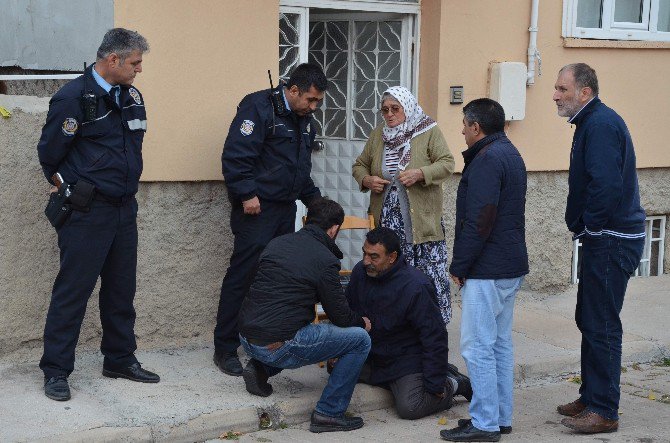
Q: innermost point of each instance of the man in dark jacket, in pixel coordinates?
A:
(603, 210)
(489, 263)
(295, 272)
(409, 351)
(267, 161)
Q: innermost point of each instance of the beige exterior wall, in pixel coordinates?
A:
(205, 56)
(632, 81)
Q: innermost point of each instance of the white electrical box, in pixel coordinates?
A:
(508, 87)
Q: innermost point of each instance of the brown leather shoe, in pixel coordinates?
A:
(571, 409)
(588, 422)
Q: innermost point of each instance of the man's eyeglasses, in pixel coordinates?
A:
(390, 110)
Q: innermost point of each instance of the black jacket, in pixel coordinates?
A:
(408, 333)
(106, 151)
(490, 240)
(268, 156)
(295, 271)
(604, 197)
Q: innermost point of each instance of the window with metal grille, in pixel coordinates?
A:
(653, 253)
(361, 59)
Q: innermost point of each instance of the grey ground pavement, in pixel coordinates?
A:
(196, 402)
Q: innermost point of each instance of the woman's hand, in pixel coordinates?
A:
(411, 176)
(374, 183)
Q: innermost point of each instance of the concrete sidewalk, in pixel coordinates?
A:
(195, 402)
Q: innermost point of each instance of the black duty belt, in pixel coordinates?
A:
(114, 201)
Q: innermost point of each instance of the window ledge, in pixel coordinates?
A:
(622, 44)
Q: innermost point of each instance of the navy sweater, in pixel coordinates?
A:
(604, 197)
(490, 240)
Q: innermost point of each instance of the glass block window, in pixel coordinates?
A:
(361, 59)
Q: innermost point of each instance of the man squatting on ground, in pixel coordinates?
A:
(409, 353)
(489, 262)
(93, 138)
(267, 161)
(603, 210)
(295, 272)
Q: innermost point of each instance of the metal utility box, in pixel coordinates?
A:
(508, 87)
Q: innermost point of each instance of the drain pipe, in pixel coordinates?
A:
(533, 53)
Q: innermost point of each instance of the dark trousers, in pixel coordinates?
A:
(101, 243)
(606, 265)
(252, 233)
(413, 402)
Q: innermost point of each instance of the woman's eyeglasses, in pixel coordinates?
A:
(390, 110)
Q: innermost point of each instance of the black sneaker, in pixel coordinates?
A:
(56, 388)
(256, 379)
(462, 422)
(469, 433)
(464, 386)
(324, 423)
(228, 363)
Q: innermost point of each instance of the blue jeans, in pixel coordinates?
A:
(316, 343)
(606, 265)
(486, 347)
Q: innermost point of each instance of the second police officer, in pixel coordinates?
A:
(266, 165)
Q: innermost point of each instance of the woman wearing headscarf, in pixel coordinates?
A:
(403, 164)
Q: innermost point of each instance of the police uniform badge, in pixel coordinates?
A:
(247, 127)
(135, 95)
(70, 127)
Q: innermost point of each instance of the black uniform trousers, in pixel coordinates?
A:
(252, 233)
(102, 242)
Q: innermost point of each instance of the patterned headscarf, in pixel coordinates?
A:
(416, 121)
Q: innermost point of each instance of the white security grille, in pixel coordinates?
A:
(654, 250)
(289, 43)
(361, 59)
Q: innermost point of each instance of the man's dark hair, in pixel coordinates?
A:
(122, 42)
(307, 75)
(386, 237)
(324, 213)
(488, 113)
(585, 76)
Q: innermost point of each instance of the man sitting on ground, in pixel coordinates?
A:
(409, 341)
(295, 272)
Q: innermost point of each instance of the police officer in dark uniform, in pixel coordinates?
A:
(92, 144)
(266, 165)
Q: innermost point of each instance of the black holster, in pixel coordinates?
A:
(58, 210)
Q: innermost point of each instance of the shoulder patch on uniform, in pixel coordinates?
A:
(70, 127)
(247, 127)
(135, 95)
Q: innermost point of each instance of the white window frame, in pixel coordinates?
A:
(653, 234)
(611, 30)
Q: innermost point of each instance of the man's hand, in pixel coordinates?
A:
(374, 183)
(411, 176)
(441, 395)
(368, 325)
(252, 206)
(458, 281)
(53, 189)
